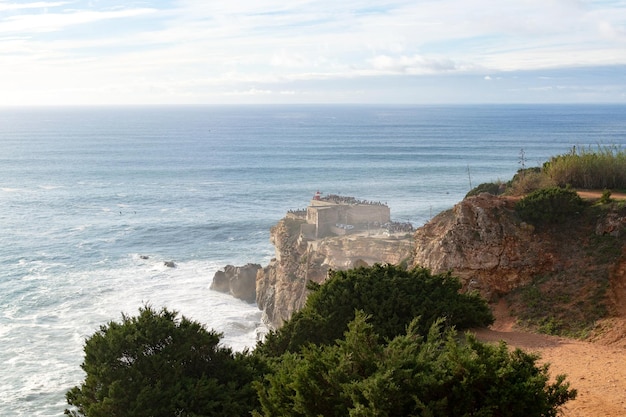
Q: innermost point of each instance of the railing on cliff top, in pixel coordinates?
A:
(339, 199)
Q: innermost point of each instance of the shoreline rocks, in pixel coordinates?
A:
(238, 281)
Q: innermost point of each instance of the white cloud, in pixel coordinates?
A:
(250, 92)
(35, 5)
(216, 47)
(287, 60)
(47, 22)
(415, 64)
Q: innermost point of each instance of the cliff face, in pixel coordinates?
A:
(481, 240)
(281, 286)
(483, 243)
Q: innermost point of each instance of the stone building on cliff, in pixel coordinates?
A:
(333, 233)
(335, 215)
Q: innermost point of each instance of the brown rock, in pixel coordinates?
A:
(239, 281)
(482, 241)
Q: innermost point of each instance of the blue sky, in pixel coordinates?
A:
(104, 52)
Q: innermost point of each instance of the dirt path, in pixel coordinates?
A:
(596, 370)
(595, 194)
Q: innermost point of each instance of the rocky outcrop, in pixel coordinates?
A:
(481, 240)
(613, 224)
(484, 243)
(281, 286)
(239, 281)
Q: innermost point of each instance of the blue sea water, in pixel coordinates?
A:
(86, 193)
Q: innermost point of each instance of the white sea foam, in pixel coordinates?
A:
(57, 324)
(9, 190)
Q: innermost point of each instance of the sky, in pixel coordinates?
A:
(110, 52)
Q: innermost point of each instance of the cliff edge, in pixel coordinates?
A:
(281, 285)
(487, 246)
(559, 278)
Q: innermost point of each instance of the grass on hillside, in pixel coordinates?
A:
(580, 168)
(604, 168)
(570, 300)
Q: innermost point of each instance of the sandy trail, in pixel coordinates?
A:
(597, 371)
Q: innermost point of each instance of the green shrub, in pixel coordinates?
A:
(412, 375)
(528, 180)
(495, 188)
(158, 365)
(606, 197)
(393, 296)
(549, 205)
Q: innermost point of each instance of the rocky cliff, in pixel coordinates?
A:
(481, 240)
(559, 278)
(486, 245)
(281, 285)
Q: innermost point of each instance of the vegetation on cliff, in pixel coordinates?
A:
(569, 299)
(603, 168)
(584, 238)
(391, 295)
(550, 205)
(403, 359)
(157, 364)
(414, 374)
(582, 168)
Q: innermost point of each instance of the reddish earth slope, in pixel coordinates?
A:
(597, 367)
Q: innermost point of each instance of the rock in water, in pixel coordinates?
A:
(238, 281)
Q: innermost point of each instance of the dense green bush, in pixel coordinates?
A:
(487, 187)
(156, 365)
(412, 375)
(549, 205)
(393, 296)
(606, 197)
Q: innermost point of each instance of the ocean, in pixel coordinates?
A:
(93, 201)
